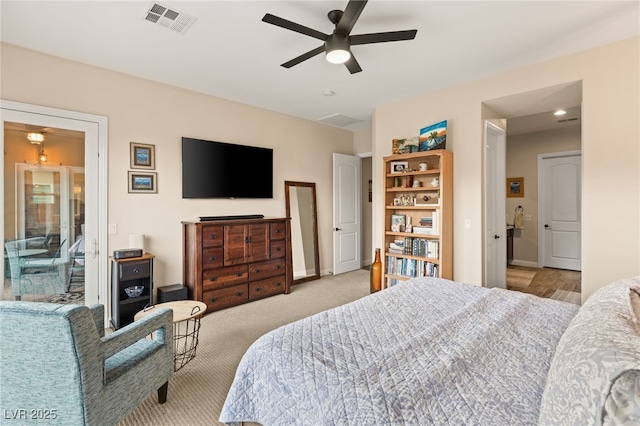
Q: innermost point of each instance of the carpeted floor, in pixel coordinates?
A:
(197, 391)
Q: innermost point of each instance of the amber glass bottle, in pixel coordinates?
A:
(376, 273)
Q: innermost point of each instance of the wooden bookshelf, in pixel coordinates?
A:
(426, 247)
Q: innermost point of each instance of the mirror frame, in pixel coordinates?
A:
(316, 254)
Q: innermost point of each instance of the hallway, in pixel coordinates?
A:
(558, 284)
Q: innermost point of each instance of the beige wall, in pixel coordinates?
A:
(610, 78)
(522, 161)
(146, 112)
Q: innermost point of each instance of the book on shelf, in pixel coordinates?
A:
(423, 230)
(411, 268)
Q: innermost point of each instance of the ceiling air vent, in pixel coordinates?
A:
(339, 120)
(160, 14)
(566, 120)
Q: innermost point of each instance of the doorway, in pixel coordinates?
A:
(50, 199)
(532, 129)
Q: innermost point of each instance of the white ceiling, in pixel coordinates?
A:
(230, 53)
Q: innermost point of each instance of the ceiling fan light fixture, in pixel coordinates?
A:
(337, 47)
(338, 56)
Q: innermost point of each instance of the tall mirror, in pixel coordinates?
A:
(301, 209)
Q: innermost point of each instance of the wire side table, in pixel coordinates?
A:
(186, 328)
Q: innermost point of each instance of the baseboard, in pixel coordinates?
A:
(526, 263)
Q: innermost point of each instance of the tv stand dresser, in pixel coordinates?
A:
(228, 262)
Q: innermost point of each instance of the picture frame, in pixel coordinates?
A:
(399, 166)
(433, 137)
(515, 187)
(143, 182)
(398, 222)
(143, 156)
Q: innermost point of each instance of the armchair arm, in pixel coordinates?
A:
(160, 322)
(97, 311)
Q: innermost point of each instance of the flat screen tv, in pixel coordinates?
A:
(224, 170)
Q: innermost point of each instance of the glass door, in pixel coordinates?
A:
(43, 211)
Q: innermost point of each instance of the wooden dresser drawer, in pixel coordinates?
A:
(224, 277)
(212, 257)
(212, 236)
(134, 269)
(278, 249)
(277, 231)
(261, 270)
(268, 287)
(225, 297)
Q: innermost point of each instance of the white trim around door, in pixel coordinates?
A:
(96, 149)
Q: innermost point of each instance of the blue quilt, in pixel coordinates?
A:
(426, 351)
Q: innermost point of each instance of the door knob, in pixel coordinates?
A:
(337, 229)
(496, 237)
(546, 226)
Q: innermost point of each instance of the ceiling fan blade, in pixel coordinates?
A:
(303, 57)
(352, 65)
(281, 22)
(350, 16)
(382, 37)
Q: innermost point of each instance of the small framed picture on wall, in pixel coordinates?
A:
(515, 187)
(143, 182)
(143, 156)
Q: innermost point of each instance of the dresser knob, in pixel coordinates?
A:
(213, 299)
(213, 236)
(213, 279)
(238, 274)
(278, 249)
(277, 266)
(212, 258)
(256, 270)
(239, 293)
(135, 270)
(258, 289)
(278, 284)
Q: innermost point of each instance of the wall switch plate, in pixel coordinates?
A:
(527, 217)
(113, 228)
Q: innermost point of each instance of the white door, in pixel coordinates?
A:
(346, 213)
(495, 252)
(560, 210)
(95, 183)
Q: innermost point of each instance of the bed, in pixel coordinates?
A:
(434, 351)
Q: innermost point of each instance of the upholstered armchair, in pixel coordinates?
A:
(56, 362)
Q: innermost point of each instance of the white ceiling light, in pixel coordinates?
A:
(337, 48)
(338, 56)
(560, 112)
(35, 138)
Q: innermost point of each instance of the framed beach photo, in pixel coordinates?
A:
(143, 182)
(143, 156)
(515, 187)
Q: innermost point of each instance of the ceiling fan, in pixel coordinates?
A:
(337, 45)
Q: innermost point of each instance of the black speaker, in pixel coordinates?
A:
(172, 292)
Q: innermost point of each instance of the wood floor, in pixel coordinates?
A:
(560, 284)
